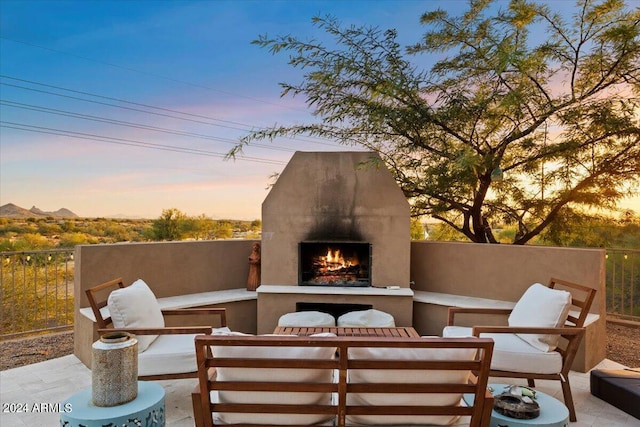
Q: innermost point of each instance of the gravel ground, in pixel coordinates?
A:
(622, 347)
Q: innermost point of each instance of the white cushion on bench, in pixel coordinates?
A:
(408, 377)
(511, 353)
(367, 318)
(307, 318)
(277, 375)
(172, 354)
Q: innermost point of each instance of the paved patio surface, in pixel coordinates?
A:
(53, 381)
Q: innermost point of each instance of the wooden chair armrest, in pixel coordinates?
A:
(222, 312)
(478, 310)
(181, 311)
(477, 330)
(162, 331)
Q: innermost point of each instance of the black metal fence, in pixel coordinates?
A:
(36, 290)
(623, 283)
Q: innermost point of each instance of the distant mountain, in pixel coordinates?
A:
(13, 211)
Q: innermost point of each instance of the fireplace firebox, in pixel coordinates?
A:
(334, 263)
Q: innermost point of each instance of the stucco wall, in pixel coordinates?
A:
(504, 272)
(170, 269)
(500, 272)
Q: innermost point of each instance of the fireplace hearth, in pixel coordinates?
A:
(334, 263)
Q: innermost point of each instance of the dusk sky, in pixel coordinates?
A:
(127, 107)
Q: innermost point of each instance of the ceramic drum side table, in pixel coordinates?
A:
(553, 413)
(147, 409)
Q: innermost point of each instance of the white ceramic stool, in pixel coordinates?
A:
(366, 318)
(307, 318)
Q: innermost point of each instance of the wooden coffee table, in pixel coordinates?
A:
(395, 332)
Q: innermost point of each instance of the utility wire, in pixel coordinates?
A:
(129, 142)
(113, 105)
(245, 127)
(152, 74)
(124, 101)
(72, 114)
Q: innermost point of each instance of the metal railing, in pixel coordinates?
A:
(36, 292)
(623, 283)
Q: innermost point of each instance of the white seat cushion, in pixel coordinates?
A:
(136, 306)
(366, 318)
(169, 354)
(174, 354)
(511, 353)
(542, 307)
(307, 318)
(407, 377)
(277, 375)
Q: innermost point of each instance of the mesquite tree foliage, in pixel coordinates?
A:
(526, 117)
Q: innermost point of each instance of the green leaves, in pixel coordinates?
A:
(559, 117)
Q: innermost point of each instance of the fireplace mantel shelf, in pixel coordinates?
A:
(333, 290)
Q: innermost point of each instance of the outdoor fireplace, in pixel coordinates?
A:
(334, 263)
(345, 198)
(335, 230)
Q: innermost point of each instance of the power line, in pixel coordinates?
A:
(124, 101)
(129, 142)
(112, 105)
(151, 74)
(246, 127)
(72, 114)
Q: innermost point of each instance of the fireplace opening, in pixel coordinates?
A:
(334, 263)
(334, 309)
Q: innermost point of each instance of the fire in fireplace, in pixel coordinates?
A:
(334, 263)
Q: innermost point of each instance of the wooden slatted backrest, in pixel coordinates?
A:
(397, 369)
(98, 296)
(211, 349)
(581, 297)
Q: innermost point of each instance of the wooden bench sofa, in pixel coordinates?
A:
(281, 380)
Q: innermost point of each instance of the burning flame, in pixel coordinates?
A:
(335, 260)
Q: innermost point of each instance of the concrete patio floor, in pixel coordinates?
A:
(53, 381)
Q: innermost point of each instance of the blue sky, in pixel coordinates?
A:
(87, 86)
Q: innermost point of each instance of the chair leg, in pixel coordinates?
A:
(568, 399)
(197, 408)
(531, 382)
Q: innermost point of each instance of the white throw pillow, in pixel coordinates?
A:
(408, 377)
(543, 307)
(366, 318)
(136, 306)
(277, 375)
(307, 318)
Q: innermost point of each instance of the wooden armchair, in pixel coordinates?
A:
(165, 352)
(514, 357)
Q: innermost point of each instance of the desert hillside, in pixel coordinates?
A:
(14, 211)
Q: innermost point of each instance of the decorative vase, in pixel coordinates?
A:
(114, 369)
